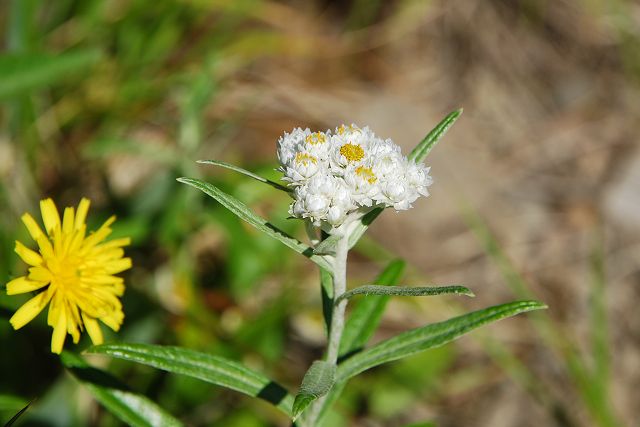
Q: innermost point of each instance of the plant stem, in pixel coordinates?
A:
(337, 319)
(339, 288)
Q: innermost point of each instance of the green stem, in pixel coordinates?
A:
(337, 319)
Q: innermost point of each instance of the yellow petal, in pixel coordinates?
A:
(93, 329)
(32, 226)
(113, 320)
(30, 257)
(44, 244)
(39, 274)
(72, 328)
(54, 309)
(81, 215)
(59, 333)
(67, 220)
(30, 309)
(115, 243)
(76, 240)
(116, 266)
(100, 234)
(50, 215)
(100, 279)
(21, 285)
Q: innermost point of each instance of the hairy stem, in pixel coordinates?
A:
(337, 319)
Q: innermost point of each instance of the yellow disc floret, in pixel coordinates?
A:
(73, 272)
(352, 152)
(366, 173)
(342, 129)
(316, 138)
(305, 159)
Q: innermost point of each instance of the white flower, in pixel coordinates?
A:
(289, 145)
(349, 171)
(303, 167)
(363, 183)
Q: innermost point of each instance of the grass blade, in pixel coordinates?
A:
(410, 291)
(246, 172)
(599, 323)
(133, 409)
(18, 415)
(212, 369)
(420, 152)
(552, 334)
(22, 73)
(429, 336)
(242, 211)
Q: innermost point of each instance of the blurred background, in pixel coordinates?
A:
(536, 194)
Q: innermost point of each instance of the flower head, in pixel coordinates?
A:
(74, 273)
(335, 174)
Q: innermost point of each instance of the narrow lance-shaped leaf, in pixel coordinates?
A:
(420, 152)
(18, 415)
(362, 226)
(429, 336)
(410, 291)
(242, 211)
(213, 369)
(133, 409)
(328, 245)
(247, 173)
(12, 402)
(365, 316)
(326, 292)
(316, 382)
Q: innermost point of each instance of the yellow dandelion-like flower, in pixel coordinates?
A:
(74, 272)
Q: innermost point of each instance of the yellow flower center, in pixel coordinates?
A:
(366, 173)
(352, 152)
(342, 129)
(316, 138)
(305, 159)
(64, 270)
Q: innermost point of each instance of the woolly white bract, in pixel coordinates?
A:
(341, 175)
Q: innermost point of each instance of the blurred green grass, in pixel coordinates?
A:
(109, 100)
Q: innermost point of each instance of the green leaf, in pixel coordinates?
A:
(18, 415)
(133, 409)
(420, 152)
(11, 403)
(243, 212)
(362, 226)
(365, 317)
(408, 291)
(21, 73)
(213, 369)
(328, 245)
(326, 292)
(316, 382)
(429, 336)
(247, 173)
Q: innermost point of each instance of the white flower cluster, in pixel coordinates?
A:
(334, 174)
